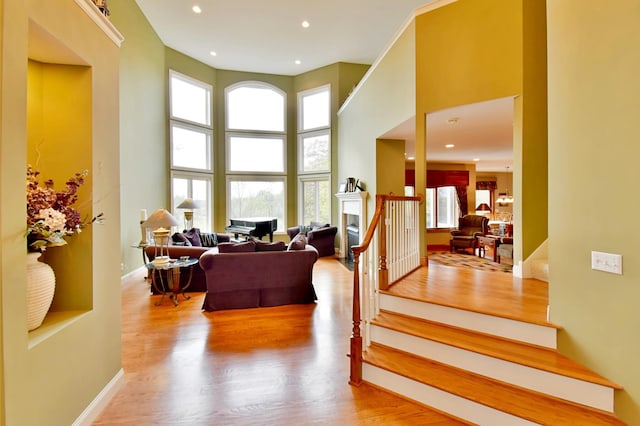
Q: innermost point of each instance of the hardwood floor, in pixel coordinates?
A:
(268, 366)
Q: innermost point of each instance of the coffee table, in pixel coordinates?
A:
(172, 284)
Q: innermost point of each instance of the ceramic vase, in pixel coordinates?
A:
(41, 284)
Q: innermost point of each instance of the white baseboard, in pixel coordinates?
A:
(100, 401)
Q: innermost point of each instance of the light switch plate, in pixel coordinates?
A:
(607, 262)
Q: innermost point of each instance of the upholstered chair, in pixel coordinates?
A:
(469, 227)
(319, 235)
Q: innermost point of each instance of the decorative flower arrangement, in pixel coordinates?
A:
(50, 215)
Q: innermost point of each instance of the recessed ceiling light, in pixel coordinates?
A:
(212, 53)
(305, 24)
(298, 61)
(196, 9)
(449, 145)
(476, 159)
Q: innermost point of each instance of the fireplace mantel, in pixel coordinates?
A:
(351, 203)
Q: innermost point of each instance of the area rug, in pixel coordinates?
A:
(467, 260)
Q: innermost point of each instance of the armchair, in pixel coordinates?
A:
(320, 235)
(469, 227)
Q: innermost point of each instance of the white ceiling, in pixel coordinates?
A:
(267, 37)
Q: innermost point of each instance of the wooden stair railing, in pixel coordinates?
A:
(396, 223)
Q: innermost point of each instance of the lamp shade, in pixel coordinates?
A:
(160, 219)
(188, 203)
(484, 207)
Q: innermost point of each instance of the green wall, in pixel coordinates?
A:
(143, 126)
(594, 99)
(384, 99)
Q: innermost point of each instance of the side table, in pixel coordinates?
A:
(490, 241)
(172, 284)
(142, 246)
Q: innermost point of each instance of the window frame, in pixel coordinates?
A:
(300, 109)
(312, 178)
(190, 176)
(190, 173)
(256, 176)
(455, 213)
(301, 137)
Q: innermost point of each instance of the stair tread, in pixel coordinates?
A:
(513, 298)
(508, 350)
(530, 405)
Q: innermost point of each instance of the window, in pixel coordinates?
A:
(442, 207)
(256, 151)
(190, 140)
(314, 155)
(315, 194)
(198, 188)
(257, 197)
(483, 196)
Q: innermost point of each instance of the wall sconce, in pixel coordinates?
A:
(161, 222)
(190, 205)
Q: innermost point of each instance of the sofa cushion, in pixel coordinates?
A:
(245, 247)
(299, 242)
(193, 235)
(267, 246)
(180, 239)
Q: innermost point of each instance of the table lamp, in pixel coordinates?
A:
(189, 205)
(161, 222)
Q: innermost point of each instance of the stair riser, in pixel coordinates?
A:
(567, 388)
(501, 327)
(438, 399)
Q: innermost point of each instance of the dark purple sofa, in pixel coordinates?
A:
(258, 278)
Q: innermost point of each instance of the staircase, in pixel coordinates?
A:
(482, 362)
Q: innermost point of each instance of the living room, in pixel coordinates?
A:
(599, 320)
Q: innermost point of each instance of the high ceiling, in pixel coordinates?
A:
(268, 37)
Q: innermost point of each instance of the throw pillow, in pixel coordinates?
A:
(193, 235)
(299, 242)
(246, 247)
(180, 240)
(266, 246)
(208, 239)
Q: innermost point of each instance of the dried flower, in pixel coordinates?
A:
(50, 215)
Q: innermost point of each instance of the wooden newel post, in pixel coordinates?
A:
(355, 377)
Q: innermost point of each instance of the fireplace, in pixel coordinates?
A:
(352, 210)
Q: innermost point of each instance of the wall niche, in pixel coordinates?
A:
(59, 144)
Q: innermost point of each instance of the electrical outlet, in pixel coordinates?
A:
(607, 262)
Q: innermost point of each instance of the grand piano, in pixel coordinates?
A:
(253, 226)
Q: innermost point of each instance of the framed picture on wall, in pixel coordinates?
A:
(342, 187)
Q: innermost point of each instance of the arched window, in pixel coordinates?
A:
(256, 147)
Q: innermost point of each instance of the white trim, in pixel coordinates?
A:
(102, 21)
(421, 10)
(533, 334)
(101, 401)
(441, 400)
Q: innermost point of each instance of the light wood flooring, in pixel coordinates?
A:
(268, 366)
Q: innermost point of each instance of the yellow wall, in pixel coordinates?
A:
(461, 59)
(67, 362)
(390, 157)
(593, 146)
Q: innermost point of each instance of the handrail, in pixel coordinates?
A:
(377, 225)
